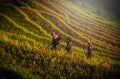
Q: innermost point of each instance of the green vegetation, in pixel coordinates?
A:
(99, 15)
(25, 41)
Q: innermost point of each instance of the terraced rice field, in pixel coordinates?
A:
(25, 39)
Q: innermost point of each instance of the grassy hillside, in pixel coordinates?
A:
(25, 40)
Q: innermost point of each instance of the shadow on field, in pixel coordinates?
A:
(8, 74)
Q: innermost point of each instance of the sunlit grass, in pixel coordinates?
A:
(94, 17)
(25, 51)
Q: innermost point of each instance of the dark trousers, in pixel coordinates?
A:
(89, 54)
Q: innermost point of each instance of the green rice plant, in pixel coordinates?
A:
(21, 15)
(28, 55)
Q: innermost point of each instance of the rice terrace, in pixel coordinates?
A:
(25, 40)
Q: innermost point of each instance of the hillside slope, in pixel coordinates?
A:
(25, 41)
